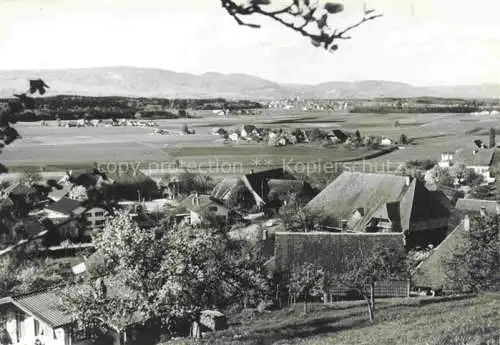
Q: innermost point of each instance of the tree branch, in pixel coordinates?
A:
(341, 34)
(324, 38)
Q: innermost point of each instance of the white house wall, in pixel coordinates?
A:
(50, 336)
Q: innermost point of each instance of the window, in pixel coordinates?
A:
(19, 326)
(212, 208)
(37, 327)
(99, 214)
(99, 222)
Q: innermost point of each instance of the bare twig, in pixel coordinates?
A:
(324, 38)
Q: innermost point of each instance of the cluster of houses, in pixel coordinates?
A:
(355, 212)
(284, 136)
(106, 123)
(478, 159)
(309, 105)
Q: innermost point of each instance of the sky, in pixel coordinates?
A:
(422, 42)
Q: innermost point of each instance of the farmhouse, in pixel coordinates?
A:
(201, 206)
(254, 189)
(38, 316)
(477, 159)
(366, 202)
(32, 317)
(332, 251)
(66, 208)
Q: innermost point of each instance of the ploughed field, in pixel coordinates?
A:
(59, 147)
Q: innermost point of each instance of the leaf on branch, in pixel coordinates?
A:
(334, 48)
(309, 16)
(315, 43)
(38, 85)
(332, 7)
(322, 21)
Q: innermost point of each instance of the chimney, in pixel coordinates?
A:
(498, 209)
(474, 152)
(467, 223)
(483, 211)
(408, 180)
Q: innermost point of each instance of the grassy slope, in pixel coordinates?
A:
(474, 321)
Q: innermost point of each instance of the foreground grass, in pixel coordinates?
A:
(474, 321)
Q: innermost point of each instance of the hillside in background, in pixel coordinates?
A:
(148, 82)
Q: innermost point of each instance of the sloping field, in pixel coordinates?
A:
(474, 321)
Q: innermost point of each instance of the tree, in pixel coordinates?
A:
(442, 176)
(306, 280)
(492, 138)
(170, 278)
(30, 177)
(403, 139)
(364, 268)
(357, 136)
(297, 218)
(474, 265)
(303, 16)
(483, 192)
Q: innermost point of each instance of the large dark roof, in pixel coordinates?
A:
(65, 206)
(258, 180)
(329, 250)
(423, 205)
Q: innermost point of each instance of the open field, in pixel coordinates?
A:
(472, 321)
(57, 147)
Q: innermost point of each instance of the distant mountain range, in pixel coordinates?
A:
(149, 82)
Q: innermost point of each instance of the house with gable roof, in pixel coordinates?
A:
(34, 316)
(256, 189)
(478, 159)
(368, 202)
